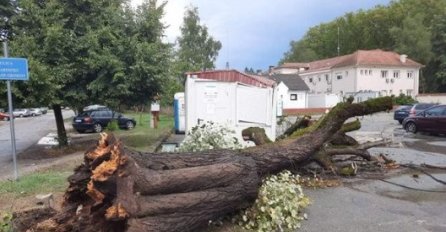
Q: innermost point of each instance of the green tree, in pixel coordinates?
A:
(439, 48)
(84, 52)
(150, 70)
(299, 52)
(404, 25)
(7, 10)
(197, 49)
(413, 39)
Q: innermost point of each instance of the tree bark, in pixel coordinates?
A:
(117, 189)
(61, 132)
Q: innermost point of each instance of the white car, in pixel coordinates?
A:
(21, 113)
(35, 112)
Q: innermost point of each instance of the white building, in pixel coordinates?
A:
(292, 92)
(231, 98)
(363, 74)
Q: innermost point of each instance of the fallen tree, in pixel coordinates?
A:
(117, 189)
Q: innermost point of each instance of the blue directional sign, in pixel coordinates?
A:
(14, 69)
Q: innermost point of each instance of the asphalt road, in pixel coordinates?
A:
(27, 132)
(374, 205)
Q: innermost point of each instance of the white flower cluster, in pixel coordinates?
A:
(278, 206)
(208, 136)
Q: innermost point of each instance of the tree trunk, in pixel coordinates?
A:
(61, 132)
(117, 189)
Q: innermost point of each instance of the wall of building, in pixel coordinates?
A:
(236, 105)
(318, 82)
(371, 78)
(363, 78)
(322, 100)
(327, 81)
(284, 95)
(344, 80)
(432, 98)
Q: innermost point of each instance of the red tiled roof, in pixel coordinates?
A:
(234, 76)
(294, 65)
(361, 57)
(376, 57)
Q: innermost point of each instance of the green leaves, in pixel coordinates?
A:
(278, 206)
(197, 49)
(412, 27)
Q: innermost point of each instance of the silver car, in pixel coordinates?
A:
(35, 112)
(21, 113)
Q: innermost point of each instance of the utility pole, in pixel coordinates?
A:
(11, 116)
(338, 43)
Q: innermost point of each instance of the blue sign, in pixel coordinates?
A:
(14, 69)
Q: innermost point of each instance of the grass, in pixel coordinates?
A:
(142, 137)
(35, 183)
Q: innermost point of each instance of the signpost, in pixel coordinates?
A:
(12, 69)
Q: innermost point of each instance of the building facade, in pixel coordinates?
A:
(292, 92)
(363, 74)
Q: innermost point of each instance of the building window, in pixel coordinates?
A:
(362, 72)
(384, 73)
(409, 74)
(396, 74)
(326, 77)
(338, 76)
(310, 80)
(293, 97)
(409, 92)
(319, 78)
(370, 72)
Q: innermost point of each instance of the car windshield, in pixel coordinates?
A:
(423, 106)
(85, 113)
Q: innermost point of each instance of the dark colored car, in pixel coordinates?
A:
(98, 119)
(420, 107)
(431, 120)
(401, 113)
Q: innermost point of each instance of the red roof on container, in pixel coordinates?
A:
(234, 76)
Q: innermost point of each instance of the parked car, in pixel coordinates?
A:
(401, 113)
(96, 120)
(416, 108)
(430, 120)
(44, 110)
(4, 116)
(35, 112)
(21, 113)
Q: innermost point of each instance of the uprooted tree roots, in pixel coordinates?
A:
(117, 189)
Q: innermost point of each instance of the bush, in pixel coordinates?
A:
(278, 206)
(208, 136)
(112, 125)
(5, 222)
(404, 100)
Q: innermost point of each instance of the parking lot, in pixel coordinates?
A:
(28, 130)
(374, 205)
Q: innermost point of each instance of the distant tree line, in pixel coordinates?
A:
(412, 27)
(106, 52)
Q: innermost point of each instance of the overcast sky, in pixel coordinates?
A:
(256, 33)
